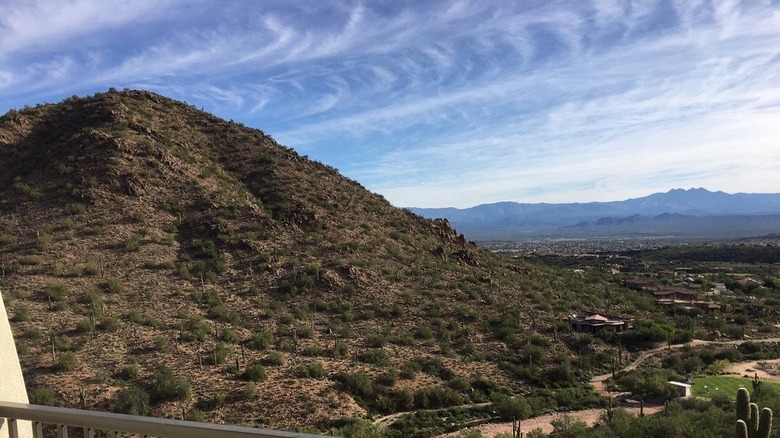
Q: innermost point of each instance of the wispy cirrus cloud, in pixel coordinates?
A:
(445, 103)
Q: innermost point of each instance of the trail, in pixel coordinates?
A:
(592, 416)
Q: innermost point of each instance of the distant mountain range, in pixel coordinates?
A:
(676, 213)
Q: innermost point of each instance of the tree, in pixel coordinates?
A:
(567, 426)
(515, 409)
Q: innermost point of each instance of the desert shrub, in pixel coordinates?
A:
(66, 361)
(56, 291)
(160, 343)
(84, 326)
(388, 378)
(166, 386)
(42, 241)
(312, 350)
(255, 372)
(410, 369)
(33, 333)
(304, 331)
(220, 353)
(131, 244)
(195, 415)
(358, 383)
(374, 356)
(376, 340)
(424, 332)
(42, 395)
(21, 314)
(62, 343)
(460, 384)
(311, 369)
(228, 335)
(340, 349)
(260, 341)
(108, 324)
(250, 391)
(113, 285)
(133, 400)
(90, 269)
(274, 359)
(193, 329)
(131, 371)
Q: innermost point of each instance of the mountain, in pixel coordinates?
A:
(159, 260)
(677, 212)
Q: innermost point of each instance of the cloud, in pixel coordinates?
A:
(458, 101)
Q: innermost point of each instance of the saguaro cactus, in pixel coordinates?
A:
(749, 423)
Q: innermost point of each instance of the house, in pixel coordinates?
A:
(592, 322)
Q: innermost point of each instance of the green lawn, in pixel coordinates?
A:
(727, 385)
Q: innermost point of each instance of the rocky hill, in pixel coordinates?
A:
(159, 260)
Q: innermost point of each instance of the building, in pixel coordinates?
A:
(683, 389)
(591, 322)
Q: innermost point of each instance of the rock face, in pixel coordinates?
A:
(137, 231)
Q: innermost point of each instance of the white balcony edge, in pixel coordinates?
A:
(160, 427)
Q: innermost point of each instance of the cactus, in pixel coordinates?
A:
(749, 423)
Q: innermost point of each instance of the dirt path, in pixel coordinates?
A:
(544, 422)
(591, 416)
(766, 369)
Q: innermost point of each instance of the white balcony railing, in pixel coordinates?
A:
(118, 425)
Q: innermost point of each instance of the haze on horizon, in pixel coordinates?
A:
(445, 103)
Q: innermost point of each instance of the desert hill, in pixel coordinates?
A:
(158, 259)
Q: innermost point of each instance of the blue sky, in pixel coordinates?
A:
(443, 103)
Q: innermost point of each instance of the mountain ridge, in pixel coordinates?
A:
(518, 220)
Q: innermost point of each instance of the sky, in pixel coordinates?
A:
(443, 103)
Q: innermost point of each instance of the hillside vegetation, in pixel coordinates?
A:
(157, 259)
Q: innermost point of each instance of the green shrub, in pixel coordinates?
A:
(376, 340)
(42, 395)
(312, 350)
(21, 314)
(90, 269)
(312, 369)
(113, 285)
(260, 341)
(193, 329)
(131, 371)
(66, 361)
(250, 391)
(133, 400)
(160, 343)
(220, 353)
(56, 291)
(228, 335)
(62, 343)
(374, 356)
(340, 349)
(166, 386)
(274, 359)
(108, 324)
(195, 415)
(84, 326)
(255, 372)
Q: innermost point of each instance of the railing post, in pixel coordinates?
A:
(62, 431)
(37, 429)
(13, 428)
